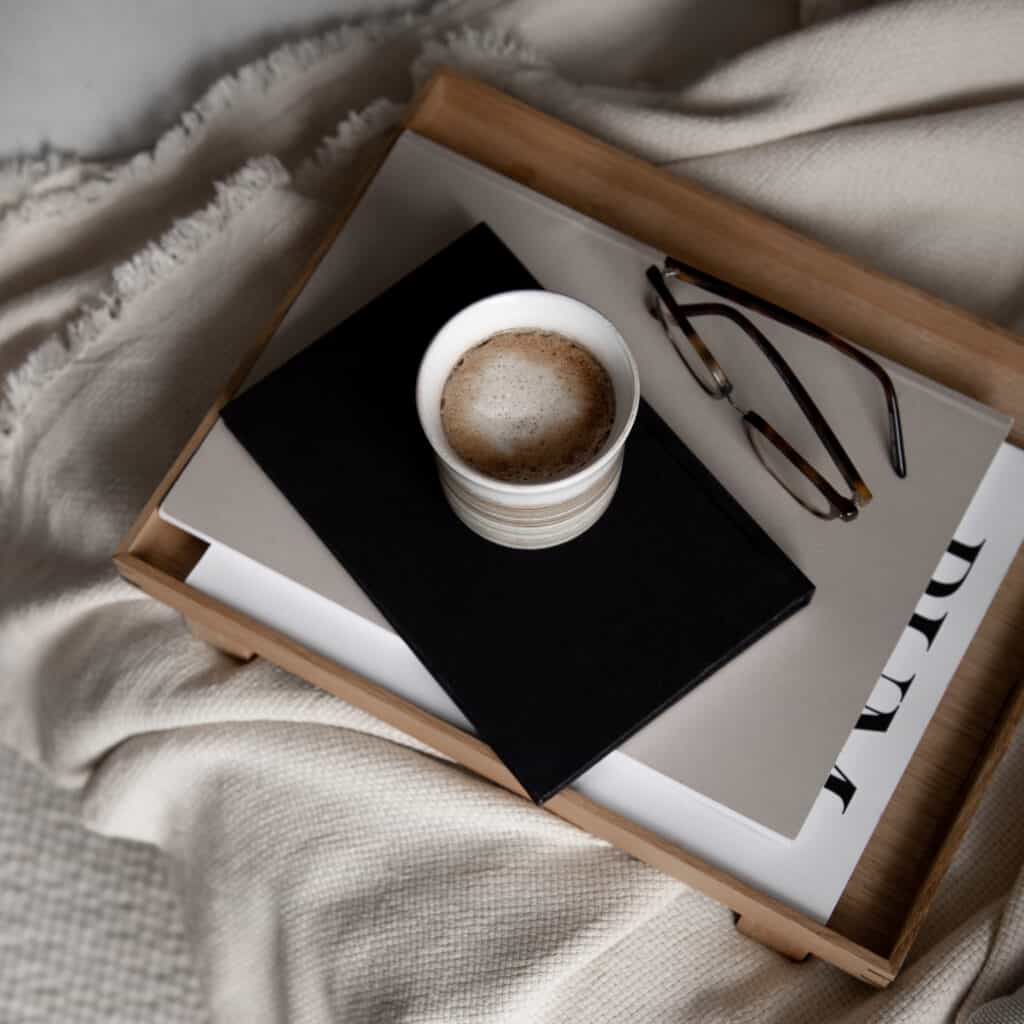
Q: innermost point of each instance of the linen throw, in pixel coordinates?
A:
(326, 866)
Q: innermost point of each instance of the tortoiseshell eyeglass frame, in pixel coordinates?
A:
(840, 506)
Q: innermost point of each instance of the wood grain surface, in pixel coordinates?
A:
(881, 910)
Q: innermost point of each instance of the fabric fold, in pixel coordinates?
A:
(328, 866)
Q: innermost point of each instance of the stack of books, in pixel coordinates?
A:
(778, 765)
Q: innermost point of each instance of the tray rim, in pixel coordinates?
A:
(153, 554)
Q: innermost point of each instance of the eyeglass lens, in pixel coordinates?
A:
(687, 352)
(789, 475)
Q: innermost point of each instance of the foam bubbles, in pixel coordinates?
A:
(528, 406)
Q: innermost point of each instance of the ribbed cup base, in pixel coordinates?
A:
(533, 527)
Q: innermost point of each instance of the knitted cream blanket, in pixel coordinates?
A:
(329, 868)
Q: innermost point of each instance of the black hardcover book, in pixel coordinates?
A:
(556, 656)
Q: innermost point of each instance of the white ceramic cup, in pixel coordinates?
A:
(528, 515)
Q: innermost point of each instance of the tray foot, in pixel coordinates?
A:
(215, 638)
(772, 937)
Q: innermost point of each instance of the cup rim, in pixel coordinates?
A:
(458, 465)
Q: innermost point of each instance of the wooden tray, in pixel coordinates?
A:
(882, 907)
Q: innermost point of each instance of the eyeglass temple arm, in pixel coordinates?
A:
(897, 451)
(796, 389)
(897, 448)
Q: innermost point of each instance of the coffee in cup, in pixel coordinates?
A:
(528, 406)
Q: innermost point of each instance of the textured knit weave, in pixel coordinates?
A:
(324, 866)
(92, 928)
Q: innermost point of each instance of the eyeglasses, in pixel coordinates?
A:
(800, 479)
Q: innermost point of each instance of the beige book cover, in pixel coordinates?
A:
(761, 736)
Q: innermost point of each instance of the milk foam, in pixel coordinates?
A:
(528, 406)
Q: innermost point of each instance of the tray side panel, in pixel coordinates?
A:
(1013, 712)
